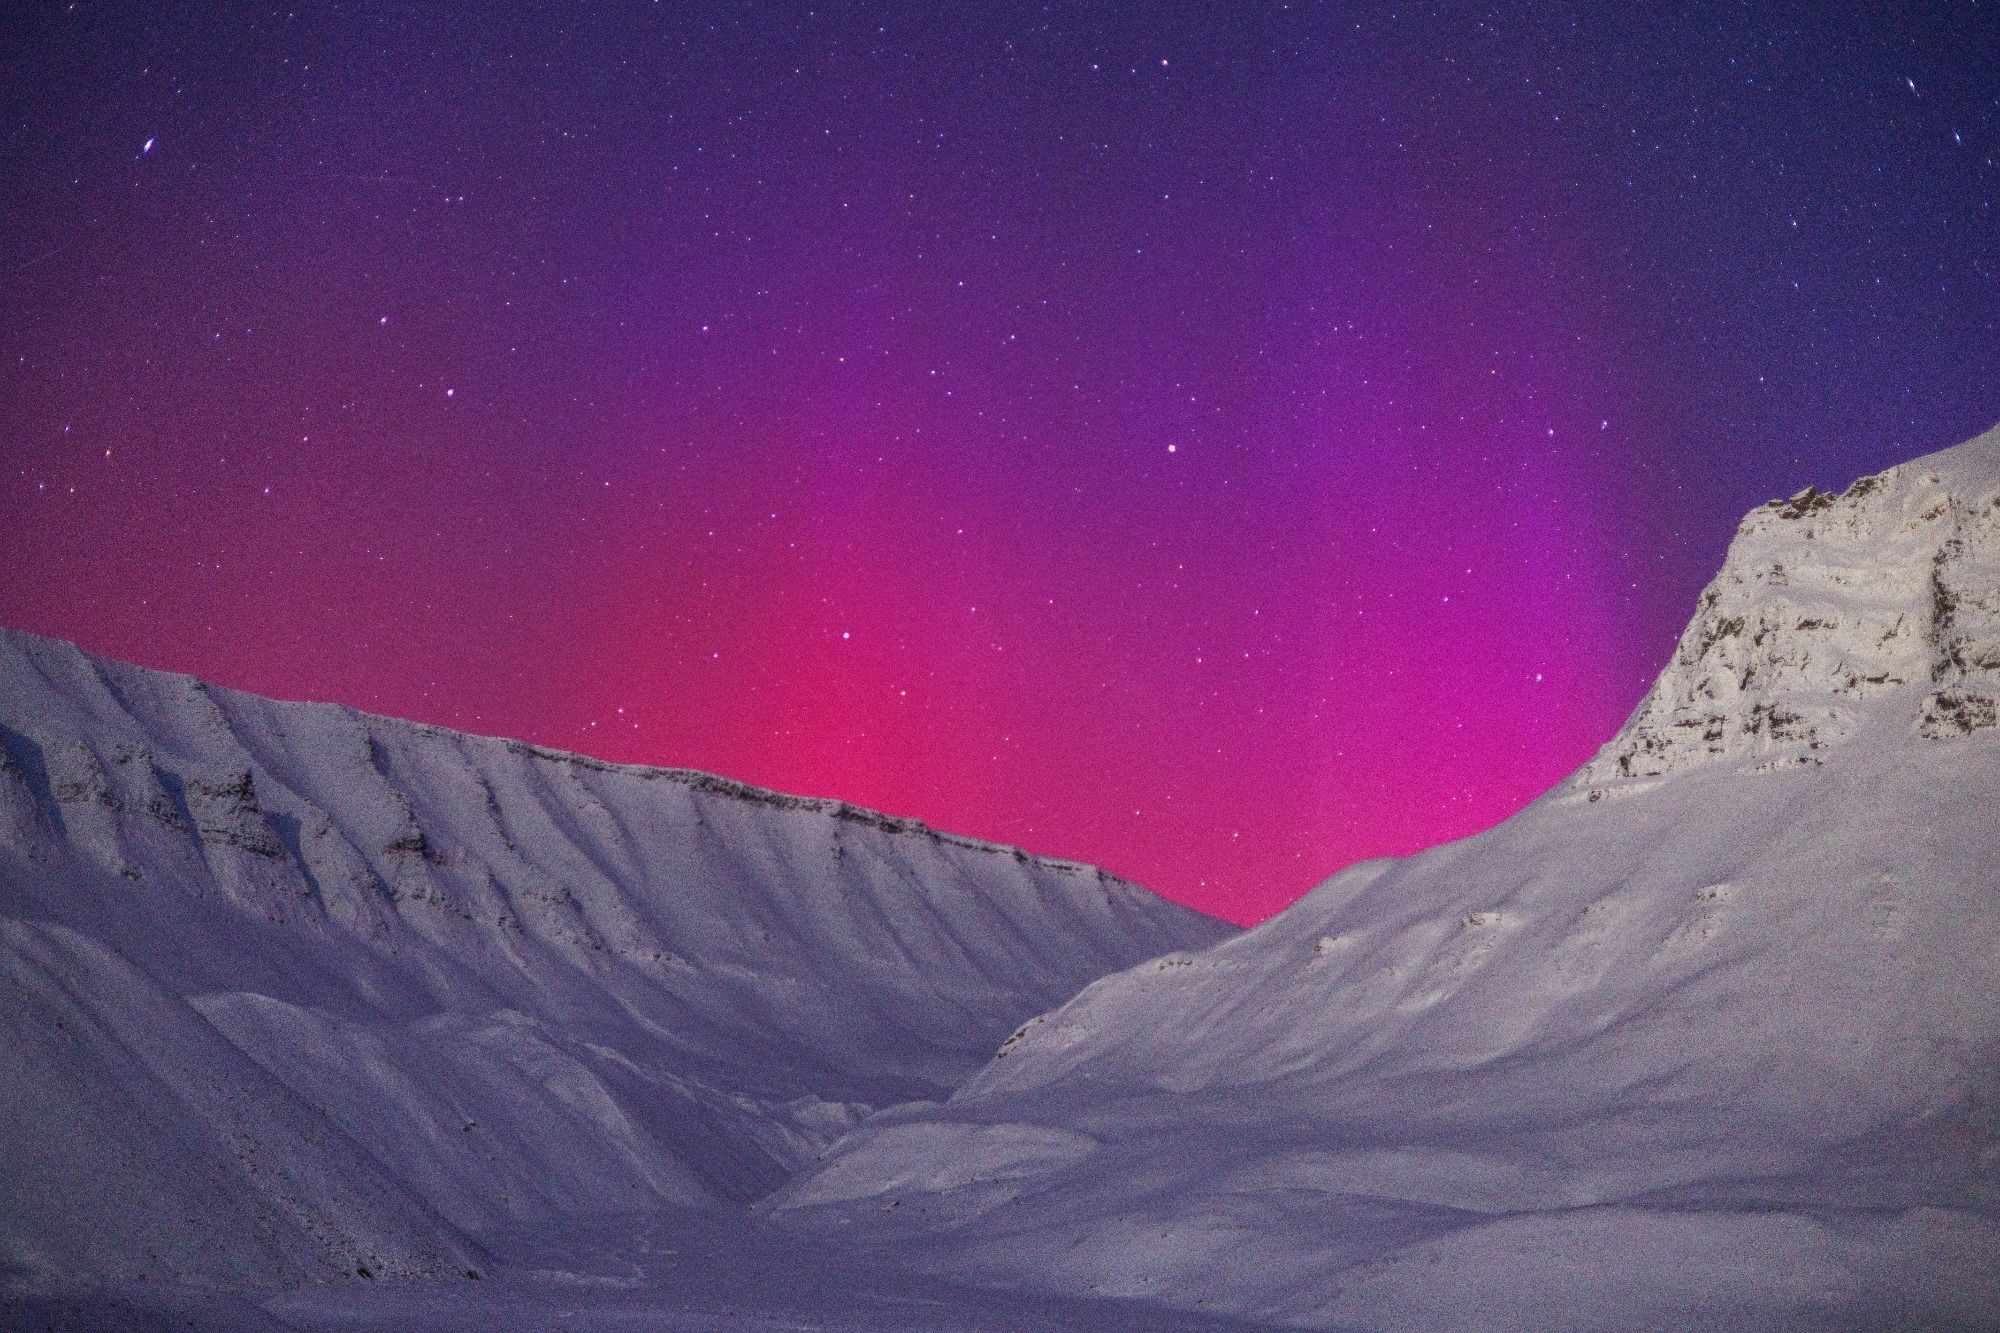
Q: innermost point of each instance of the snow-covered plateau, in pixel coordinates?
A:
(320, 1020)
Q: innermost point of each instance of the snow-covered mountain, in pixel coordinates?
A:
(1709, 1035)
(1826, 605)
(294, 992)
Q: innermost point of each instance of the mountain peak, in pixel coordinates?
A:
(1833, 614)
(1745, 1016)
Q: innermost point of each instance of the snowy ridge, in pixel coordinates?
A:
(297, 992)
(688, 777)
(1719, 1053)
(1828, 608)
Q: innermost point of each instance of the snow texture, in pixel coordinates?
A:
(1826, 604)
(296, 994)
(1708, 1035)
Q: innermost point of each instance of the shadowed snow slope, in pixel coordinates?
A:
(296, 992)
(1710, 1033)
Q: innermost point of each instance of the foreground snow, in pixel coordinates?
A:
(663, 1269)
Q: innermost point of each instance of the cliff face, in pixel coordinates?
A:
(1704, 1036)
(298, 991)
(1828, 608)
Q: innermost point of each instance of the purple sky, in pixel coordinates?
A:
(1220, 448)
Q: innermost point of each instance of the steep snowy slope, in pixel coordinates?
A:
(1709, 1034)
(292, 991)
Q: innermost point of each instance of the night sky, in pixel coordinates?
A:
(1217, 442)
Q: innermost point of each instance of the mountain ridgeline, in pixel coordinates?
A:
(1708, 1035)
(295, 992)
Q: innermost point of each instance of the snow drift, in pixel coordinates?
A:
(1708, 1034)
(294, 992)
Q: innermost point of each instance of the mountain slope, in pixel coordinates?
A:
(297, 992)
(1706, 1035)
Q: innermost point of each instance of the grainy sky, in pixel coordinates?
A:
(1217, 441)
